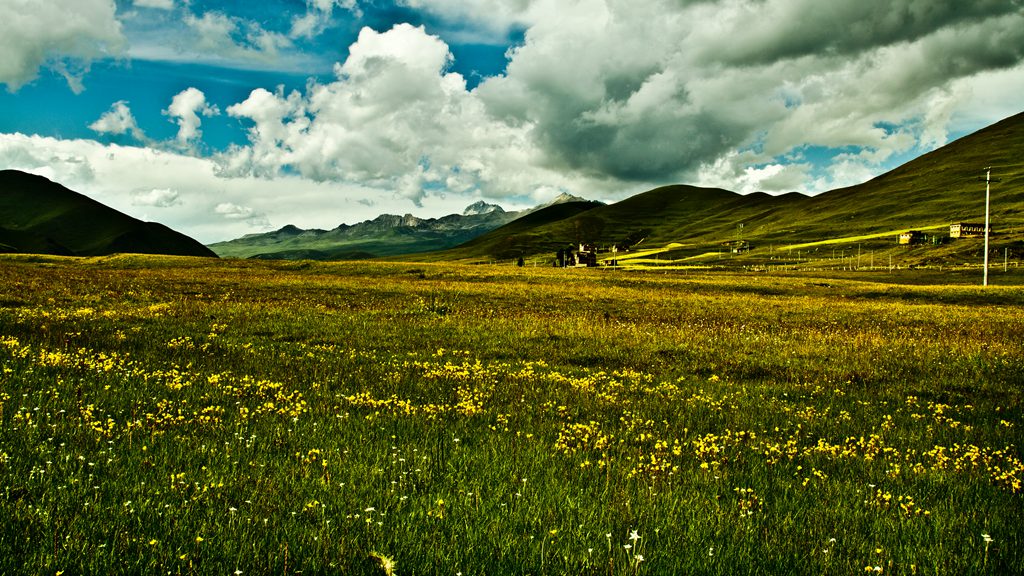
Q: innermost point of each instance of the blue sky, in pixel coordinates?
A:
(221, 118)
(30, 109)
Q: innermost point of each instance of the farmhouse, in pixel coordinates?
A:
(912, 237)
(967, 230)
(586, 256)
(738, 247)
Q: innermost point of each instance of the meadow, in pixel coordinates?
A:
(188, 416)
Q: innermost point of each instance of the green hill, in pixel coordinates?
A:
(43, 217)
(525, 235)
(686, 222)
(943, 186)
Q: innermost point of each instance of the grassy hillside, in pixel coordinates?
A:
(523, 235)
(943, 186)
(929, 192)
(40, 216)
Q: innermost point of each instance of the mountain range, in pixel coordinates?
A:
(385, 235)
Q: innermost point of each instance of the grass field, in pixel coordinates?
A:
(187, 416)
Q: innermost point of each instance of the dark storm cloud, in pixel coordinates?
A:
(652, 90)
(765, 32)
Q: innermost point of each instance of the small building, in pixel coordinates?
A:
(967, 230)
(738, 246)
(586, 256)
(613, 261)
(912, 237)
(570, 257)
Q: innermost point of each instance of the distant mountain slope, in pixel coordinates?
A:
(385, 235)
(935, 189)
(40, 216)
(525, 234)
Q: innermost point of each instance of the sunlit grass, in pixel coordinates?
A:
(860, 238)
(647, 253)
(171, 415)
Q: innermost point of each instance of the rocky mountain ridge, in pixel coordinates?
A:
(385, 235)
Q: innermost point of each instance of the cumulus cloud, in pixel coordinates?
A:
(395, 116)
(156, 197)
(118, 121)
(740, 172)
(66, 35)
(233, 211)
(185, 109)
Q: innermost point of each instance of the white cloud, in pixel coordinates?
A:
(135, 179)
(158, 4)
(402, 46)
(847, 170)
(394, 117)
(989, 95)
(156, 197)
(185, 109)
(219, 36)
(233, 211)
(66, 35)
(318, 15)
(741, 173)
(118, 121)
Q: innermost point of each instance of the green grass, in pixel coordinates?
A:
(888, 234)
(194, 416)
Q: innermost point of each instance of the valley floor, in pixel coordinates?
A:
(179, 415)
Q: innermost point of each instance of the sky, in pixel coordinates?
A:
(222, 118)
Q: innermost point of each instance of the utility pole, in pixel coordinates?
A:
(988, 177)
(988, 181)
